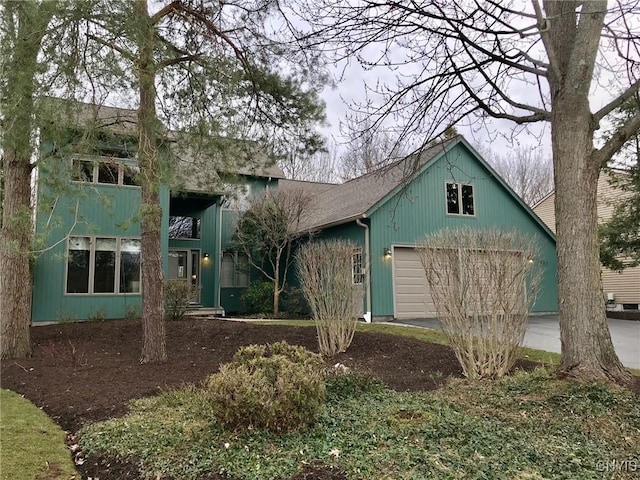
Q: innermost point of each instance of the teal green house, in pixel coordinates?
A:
(388, 212)
(88, 265)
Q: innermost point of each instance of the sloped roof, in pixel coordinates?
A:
(341, 203)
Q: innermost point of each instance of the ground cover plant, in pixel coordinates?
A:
(466, 430)
(362, 424)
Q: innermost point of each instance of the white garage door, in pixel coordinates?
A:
(411, 291)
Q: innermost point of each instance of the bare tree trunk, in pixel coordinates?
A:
(587, 350)
(154, 335)
(276, 288)
(18, 81)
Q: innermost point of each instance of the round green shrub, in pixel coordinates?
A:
(277, 387)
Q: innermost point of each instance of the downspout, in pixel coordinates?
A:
(218, 265)
(367, 260)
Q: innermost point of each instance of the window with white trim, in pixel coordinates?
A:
(460, 199)
(234, 270)
(357, 268)
(103, 265)
(105, 172)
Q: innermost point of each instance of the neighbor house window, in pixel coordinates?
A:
(103, 265)
(104, 172)
(234, 270)
(357, 269)
(460, 199)
(184, 227)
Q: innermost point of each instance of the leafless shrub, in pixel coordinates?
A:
(483, 284)
(324, 269)
(178, 295)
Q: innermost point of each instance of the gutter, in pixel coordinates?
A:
(367, 260)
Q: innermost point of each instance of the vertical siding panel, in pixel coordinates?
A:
(421, 209)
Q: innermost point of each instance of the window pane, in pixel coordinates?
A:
(129, 266)
(82, 171)
(78, 265)
(130, 175)
(453, 205)
(104, 274)
(356, 267)
(226, 270)
(184, 227)
(108, 172)
(467, 200)
(242, 271)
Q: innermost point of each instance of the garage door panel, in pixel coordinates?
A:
(411, 296)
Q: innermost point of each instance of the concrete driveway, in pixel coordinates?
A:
(543, 333)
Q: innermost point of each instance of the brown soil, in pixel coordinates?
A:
(86, 372)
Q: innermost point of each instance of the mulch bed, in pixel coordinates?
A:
(86, 372)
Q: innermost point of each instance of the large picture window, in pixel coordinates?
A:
(103, 265)
(105, 172)
(234, 271)
(460, 199)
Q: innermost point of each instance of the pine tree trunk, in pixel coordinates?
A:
(154, 335)
(20, 62)
(15, 277)
(587, 350)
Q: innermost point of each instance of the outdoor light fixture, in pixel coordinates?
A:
(206, 256)
(387, 253)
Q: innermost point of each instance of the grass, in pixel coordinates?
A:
(527, 426)
(32, 445)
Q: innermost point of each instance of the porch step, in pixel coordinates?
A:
(205, 312)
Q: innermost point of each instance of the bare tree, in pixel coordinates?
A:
(367, 148)
(525, 169)
(524, 63)
(321, 166)
(266, 233)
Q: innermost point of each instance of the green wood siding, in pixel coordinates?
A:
(83, 209)
(406, 217)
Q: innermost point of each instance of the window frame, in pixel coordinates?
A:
(459, 186)
(235, 258)
(92, 266)
(358, 270)
(198, 223)
(95, 172)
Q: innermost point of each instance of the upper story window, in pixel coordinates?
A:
(460, 199)
(105, 172)
(237, 196)
(184, 227)
(357, 268)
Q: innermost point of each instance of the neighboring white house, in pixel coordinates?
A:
(621, 289)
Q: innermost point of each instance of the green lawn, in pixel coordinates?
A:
(32, 445)
(528, 426)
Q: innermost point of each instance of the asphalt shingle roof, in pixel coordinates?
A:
(333, 204)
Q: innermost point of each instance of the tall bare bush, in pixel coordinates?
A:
(324, 269)
(483, 284)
